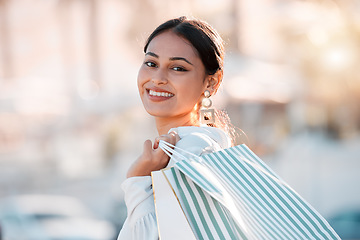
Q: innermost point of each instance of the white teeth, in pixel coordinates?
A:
(160, 94)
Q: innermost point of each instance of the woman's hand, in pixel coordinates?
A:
(152, 158)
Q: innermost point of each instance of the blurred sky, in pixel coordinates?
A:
(71, 120)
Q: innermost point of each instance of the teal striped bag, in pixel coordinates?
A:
(233, 194)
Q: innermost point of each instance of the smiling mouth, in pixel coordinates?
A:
(160, 94)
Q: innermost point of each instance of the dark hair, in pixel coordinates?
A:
(210, 47)
(201, 35)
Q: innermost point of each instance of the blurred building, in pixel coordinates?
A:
(71, 120)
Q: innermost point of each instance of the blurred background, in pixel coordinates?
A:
(71, 121)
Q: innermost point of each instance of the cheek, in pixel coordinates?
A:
(141, 80)
(192, 94)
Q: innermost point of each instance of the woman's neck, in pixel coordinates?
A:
(163, 125)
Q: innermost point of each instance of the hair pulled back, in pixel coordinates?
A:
(210, 48)
(202, 37)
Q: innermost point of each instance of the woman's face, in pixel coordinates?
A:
(172, 77)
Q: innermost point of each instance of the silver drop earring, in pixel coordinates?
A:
(207, 114)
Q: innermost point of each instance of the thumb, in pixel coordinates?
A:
(147, 147)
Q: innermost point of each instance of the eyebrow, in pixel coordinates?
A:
(171, 59)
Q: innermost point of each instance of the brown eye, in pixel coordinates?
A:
(150, 64)
(179, 69)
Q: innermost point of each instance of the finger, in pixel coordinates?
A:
(147, 147)
(156, 143)
(165, 137)
(161, 157)
(174, 137)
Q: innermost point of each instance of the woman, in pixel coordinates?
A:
(183, 61)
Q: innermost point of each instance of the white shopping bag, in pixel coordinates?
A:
(172, 223)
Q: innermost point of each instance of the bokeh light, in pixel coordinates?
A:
(71, 120)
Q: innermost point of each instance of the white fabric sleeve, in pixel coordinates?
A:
(199, 142)
(140, 223)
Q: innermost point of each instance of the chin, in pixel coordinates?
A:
(157, 113)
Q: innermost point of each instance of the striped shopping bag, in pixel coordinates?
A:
(175, 218)
(233, 194)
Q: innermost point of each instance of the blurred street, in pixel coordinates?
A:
(71, 120)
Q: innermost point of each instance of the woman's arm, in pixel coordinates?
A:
(141, 220)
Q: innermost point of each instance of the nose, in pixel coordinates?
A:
(159, 77)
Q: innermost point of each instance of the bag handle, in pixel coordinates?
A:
(173, 151)
(169, 149)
